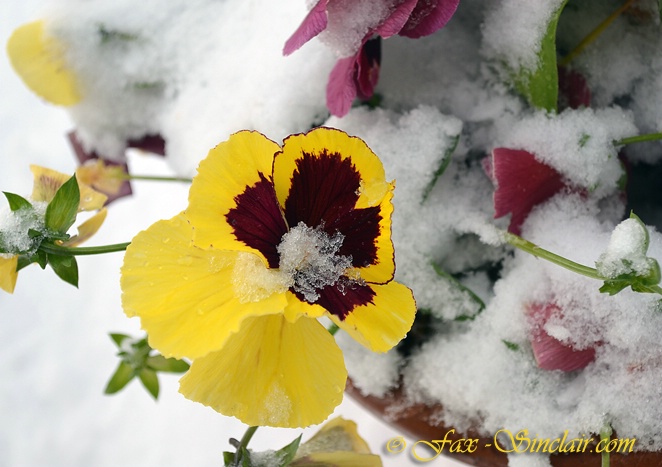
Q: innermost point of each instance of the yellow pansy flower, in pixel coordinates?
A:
(39, 60)
(272, 237)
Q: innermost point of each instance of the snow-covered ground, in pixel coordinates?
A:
(55, 353)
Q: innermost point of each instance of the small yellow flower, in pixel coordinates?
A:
(39, 60)
(48, 181)
(271, 238)
(337, 444)
(103, 177)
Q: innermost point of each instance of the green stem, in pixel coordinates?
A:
(53, 249)
(243, 443)
(156, 179)
(605, 436)
(593, 35)
(639, 139)
(535, 250)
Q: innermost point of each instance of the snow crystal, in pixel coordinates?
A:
(253, 281)
(15, 225)
(310, 257)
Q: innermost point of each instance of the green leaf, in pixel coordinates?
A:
(644, 228)
(511, 345)
(443, 165)
(169, 365)
(65, 267)
(120, 378)
(541, 86)
(228, 458)
(659, 7)
(288, 452)
(61, 211)
(150, 381)
(17, 202)
(118, 338)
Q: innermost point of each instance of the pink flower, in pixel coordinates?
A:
(549, 352)
(356, 73)
(522, 182)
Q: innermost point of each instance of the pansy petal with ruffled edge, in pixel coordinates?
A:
(328, 179)
(272, 372)
(232, 205)
(189, 299)
(380, 322)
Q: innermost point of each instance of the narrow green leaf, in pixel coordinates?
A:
(17, 202)
(288, 452)
(150, 381)
(41, 258)
(118, 338)
(169, 365)
(644, 228)
(65, 267)
(541, 86)
(61, 211)
(511, 345)
(457, 284)
(443, 165)
(120, 378)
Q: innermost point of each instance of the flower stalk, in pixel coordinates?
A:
(54, 249)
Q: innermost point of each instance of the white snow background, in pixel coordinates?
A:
(55, 353)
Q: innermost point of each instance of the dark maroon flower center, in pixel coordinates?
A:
(322, 198)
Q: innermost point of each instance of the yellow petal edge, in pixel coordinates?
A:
(39, 60)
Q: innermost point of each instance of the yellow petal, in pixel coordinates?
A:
(48, 181)
(337, 434)
(296, 308)
(229, 169)
(380, 325)
(101, 176)
(39, 60)
(365, 176)
(373, 179)
(88, 228)
(271, 373)
(184, 295)
(337, 459)
(8, 273)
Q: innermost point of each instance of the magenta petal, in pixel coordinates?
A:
(367, 71)
(550, 353)
(522, 182)
(341, 89)
(314, 23)
(394, 23)
(428, 17)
